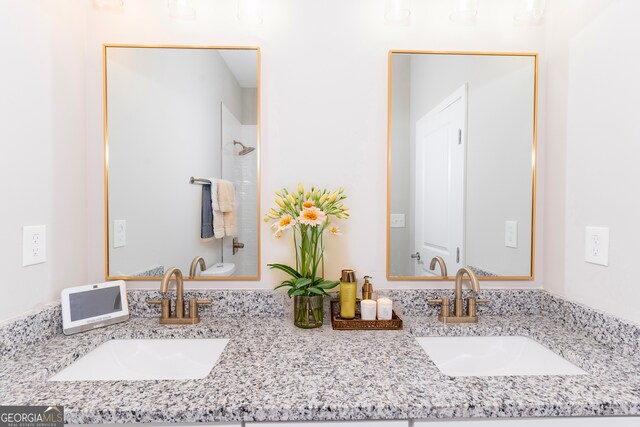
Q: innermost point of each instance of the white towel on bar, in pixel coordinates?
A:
(218, 216)
(227, 200)
(214, 194)
(226, 195)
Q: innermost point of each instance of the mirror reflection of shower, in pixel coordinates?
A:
(244, 150)
(239, 138)
(157, 117)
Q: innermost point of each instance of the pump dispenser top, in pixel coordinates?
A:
(367, 288)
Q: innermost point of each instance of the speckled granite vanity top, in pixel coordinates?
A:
(273, 371)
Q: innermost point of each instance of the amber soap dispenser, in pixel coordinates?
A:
(348, 286)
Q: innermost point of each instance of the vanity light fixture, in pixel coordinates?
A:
(250, 12)
(397, 12)
(108, 5)
(530, 12)
(464, 12)
(182, 9)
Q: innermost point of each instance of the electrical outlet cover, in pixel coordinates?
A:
(596, 247)
(34, 244)
(119, 233)
(397, 221)
(511, 234)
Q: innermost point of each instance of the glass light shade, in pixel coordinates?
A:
(250, 12)
(464, 12)
(530, 12)
(182, 9)
(110, 5)
(396, 12)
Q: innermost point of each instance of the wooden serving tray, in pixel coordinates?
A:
(358, 324)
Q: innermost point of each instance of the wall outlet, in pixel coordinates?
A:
(397, 221)
(511, 234)
(34, 244)
(119, 233)
(596, 247)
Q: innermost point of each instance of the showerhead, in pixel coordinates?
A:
(245, 150)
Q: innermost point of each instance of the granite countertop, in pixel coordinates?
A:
(271, 370)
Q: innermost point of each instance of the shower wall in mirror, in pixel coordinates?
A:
(182, 130)
(462, 140)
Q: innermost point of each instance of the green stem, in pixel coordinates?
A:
(295, 245)
(314, 236)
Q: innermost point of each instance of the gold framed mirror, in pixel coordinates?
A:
(461, 171)
(182, 161)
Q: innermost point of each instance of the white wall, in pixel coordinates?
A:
(591, 164)
(324, 110)
(324, 104)
(324, 121)
(42, 153)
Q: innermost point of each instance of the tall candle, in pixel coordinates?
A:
(368, 309)
(385, 308)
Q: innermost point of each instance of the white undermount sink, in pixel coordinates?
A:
(494, 356)
(146, 359)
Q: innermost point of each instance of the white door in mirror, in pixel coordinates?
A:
(440, 148)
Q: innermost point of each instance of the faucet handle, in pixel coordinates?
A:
(445, 305)
(472, 305)
(165, 306)
(193, 307)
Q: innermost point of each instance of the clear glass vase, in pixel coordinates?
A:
(308, 312)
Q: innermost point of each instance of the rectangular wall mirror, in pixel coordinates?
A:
(182, 137)
(461, 167)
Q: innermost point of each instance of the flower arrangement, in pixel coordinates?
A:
(308, 216)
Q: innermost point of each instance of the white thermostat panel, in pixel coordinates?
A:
(93, 306)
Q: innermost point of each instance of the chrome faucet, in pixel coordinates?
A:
(178, 318)
(441, 263)
(194, 266)
(458, 304)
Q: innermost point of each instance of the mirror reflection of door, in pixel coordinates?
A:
(440, 184)
(461, 164)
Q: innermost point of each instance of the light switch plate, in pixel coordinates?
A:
(397, 221)
(119, 233)
(511, 234)
(596, 247)
(34, 244)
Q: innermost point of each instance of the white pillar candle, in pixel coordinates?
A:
(385, 307)
(368, 309)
